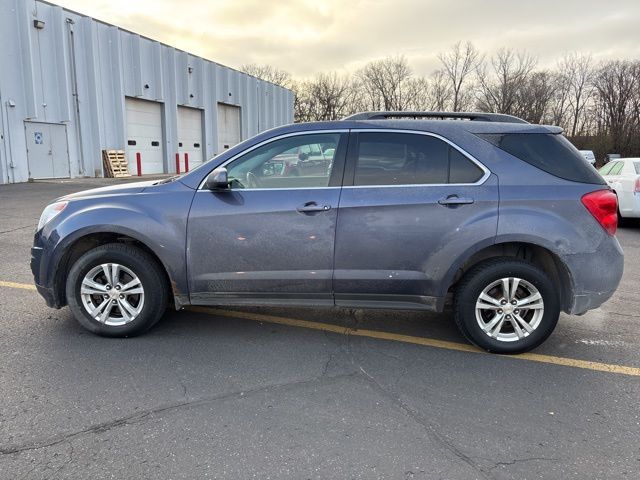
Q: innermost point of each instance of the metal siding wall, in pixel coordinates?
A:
(209, 113)
(24, 17)
(110, 64)
(182, 80)
(16, 85)
(90, 82)
(171, 83)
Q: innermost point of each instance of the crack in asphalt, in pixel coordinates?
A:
(416, 417)
(630, 315)
(521, 460)
(427, 426)
(16, 229)
(184, 389)
(139, 417)
(327, 363)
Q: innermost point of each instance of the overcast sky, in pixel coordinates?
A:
(305, 37)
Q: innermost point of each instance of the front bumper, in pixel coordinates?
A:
(48, 295)
(36, 259)
(38, 268)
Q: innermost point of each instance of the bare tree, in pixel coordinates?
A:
(330, 96)
(498, 88)
(459, 65)
(577, 73)
(416, 94)
(534, 97)
(385, 84)
(597, 105)
(268, 73)
(439, 92)
(559, 108)
(617, 89)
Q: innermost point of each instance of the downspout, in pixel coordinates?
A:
(4, 167)
(74, 94)
(8, 153)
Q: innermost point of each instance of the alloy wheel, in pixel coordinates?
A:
(509, 309)
(112, 294)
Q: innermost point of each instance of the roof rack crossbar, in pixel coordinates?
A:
(473, 116)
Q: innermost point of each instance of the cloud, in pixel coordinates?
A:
(306, 37)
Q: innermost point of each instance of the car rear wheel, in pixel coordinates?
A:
(506, 306)
(116, 290)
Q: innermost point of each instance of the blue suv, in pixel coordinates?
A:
(398, 210)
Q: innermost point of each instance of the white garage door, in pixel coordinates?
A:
(190, 137)
(144, 135)
(228, 126)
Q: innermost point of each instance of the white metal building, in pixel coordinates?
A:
(71, 86)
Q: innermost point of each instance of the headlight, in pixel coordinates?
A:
(50, 212)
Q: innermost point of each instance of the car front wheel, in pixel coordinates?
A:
(116, 290)
(506, 306)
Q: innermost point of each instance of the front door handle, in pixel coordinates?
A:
(311, 207)
(455, 200)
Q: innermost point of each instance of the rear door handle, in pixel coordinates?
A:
(455, 200)
(311, 207)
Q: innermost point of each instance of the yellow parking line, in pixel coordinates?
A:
(24, 286)
(396, 337)
(429, 342)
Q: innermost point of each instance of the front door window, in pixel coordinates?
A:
(303, 161)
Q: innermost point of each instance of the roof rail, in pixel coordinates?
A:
(473, 116)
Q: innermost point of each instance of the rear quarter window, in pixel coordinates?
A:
(552, 153)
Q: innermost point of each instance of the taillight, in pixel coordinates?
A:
(603, 205)
(636, 188)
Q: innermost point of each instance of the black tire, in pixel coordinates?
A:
(622, 222)
(481, 276)
(138, 261)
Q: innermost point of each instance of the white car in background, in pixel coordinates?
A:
(623, 176)
(589, 156)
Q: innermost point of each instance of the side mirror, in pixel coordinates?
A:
(218, 179)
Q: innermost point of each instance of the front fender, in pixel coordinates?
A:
(152, 218)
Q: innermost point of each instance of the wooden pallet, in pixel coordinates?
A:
(115, 164)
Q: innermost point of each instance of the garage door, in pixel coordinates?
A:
(190, 136)
(228, 126)
(144, 135)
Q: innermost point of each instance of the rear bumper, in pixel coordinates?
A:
(633, 209)
(595, 276)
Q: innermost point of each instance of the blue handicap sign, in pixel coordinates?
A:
(38, 137)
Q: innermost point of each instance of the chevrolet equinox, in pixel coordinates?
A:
(396, 210)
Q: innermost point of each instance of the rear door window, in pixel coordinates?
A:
(410, 159)
(552, 153)
(461, 169)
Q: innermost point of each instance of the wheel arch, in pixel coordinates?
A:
(86, 241)
(539, 255)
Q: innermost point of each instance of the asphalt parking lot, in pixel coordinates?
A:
(294, 393)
